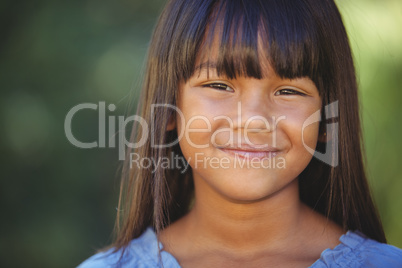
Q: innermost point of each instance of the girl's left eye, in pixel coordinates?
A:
(289, 91)
(219, 86)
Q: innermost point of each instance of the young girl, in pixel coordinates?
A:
(259, 98)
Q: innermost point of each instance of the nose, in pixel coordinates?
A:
(254, 113)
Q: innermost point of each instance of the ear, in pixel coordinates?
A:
(171, 125)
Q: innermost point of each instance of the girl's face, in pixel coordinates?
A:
(245, 138)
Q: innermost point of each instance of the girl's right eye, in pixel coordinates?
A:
(219, 86)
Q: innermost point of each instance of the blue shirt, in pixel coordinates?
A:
(355, 250)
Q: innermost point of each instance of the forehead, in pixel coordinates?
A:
(225, 50)
(246, 38)
(233, 50)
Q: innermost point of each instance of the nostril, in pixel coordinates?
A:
(254, 118)
(258, 123)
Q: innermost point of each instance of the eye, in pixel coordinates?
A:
(219, 86)
(289, 91)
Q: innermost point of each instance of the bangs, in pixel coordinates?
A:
(244, 38)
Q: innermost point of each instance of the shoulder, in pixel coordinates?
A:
(356, 250)
(142, 252)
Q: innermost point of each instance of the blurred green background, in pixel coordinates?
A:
(58, 202)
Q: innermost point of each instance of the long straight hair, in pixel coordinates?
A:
(304, 38)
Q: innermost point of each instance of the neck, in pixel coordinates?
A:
(271, 230)
(271, 221)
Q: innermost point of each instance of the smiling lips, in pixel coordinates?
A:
(251, 152)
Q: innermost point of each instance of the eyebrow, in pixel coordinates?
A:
(213, 66)
(208, 66)
(205, 65)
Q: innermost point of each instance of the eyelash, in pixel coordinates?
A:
(224, 87)
(289, 91)
(219, 86)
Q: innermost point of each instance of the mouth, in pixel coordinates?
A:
(251, 152)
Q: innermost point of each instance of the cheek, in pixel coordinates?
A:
(193, 128)
(310, 135)
(199, 120)
(302, 128)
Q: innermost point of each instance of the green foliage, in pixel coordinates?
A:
(374, 32)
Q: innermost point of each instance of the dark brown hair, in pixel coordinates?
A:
(303, 38)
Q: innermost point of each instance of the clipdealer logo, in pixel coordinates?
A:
(330, 156)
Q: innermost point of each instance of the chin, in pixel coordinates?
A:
(248, 192)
